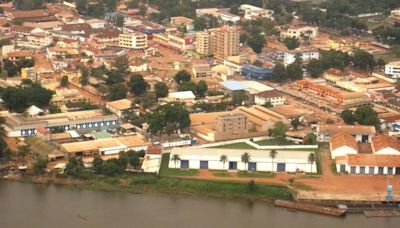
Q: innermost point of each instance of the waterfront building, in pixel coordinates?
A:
(209, 158)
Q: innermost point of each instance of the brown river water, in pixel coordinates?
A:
(31, 205)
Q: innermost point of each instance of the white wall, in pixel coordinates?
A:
(387, 150)
(376, 169)
(263, 164)
(342, 151)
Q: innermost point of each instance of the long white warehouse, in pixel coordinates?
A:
(210, 158)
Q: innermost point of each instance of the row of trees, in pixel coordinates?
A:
(292, 72)
(246, 158)
(168, 119)
(360, 59)
(364, 115)
(17, 99)
(111, 167)
(183, 78)
(14, 68)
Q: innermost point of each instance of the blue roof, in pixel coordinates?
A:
(233, 85)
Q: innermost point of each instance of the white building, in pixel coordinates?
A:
(209, 158)
(228, 17)
(34, 41)
(342, 144)
(392, 69)
(369, 164)
(96, 23)
(181, 96)
(133, 40)
(272, 96)
(305, 56)
(253, 12)
(385, 144)
(360, 132)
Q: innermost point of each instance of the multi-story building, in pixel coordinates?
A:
(392, 69)
(174, 41)
(231, 123)
(17, 125)
(254, 12)
(34, 41)
(205, 42)
(226, 42)
(394, 16)
(133, 40)
(272, 96)
(300, 32)
(304, 54)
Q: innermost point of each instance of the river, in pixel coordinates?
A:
(31, 205)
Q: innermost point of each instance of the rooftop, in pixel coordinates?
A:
(382, 141)
(122, 104)
(343, 139)
(349, 129)
(369, 160)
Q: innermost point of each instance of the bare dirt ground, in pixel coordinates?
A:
(329, 186)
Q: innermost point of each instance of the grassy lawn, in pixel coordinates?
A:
(241, 145)
(267, 142)
(221, 173)
(255, 174)
(167, 172)
(153, 184)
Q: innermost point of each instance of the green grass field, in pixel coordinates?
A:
(241, 145)
(167, 172)
(255, 174)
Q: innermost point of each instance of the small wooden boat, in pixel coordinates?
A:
(307, 207)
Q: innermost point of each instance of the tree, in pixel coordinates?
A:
(138, 85)
(291, 42)
(223, 159)
(182, 76)
(187, 86)
(119, 22)
(81, 6)
(97, 162)
(2, 130)
(10, 67)
(279, 132)
(366, 115)
(380, 62)
(239, 97)
(201, 88)
(117, 92)
(142, 10)
(122, 64)
(64, 81)
(111, 167)
(245, 159)
(256, 42)
(175, 158)
(295, 123)
(347, 116)
(22, 152)
(85, 76)
(123, 159)
(315, 68)
(114, 77)
(172, 115)
(161, 89)
(311, 159)
(294, 71)
(279, 73)
(273, 154)
(363, 60)
(39, 166)
(311, 139)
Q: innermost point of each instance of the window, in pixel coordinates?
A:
(352, 169)
(342, 168)
(184, 164)
(380, 170)
(203, 164)
(371, 170)
(252, 166)
(362, 170)
(390, 171)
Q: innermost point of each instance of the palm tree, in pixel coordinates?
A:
(2, 130)
(273, 154)
(175, 158)
(245, 159)
(223, 159)
(311, 159)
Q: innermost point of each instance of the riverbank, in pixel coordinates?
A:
(142, 184)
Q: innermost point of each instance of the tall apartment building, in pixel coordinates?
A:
(133, 40)
(227, 40)
(205, 42)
